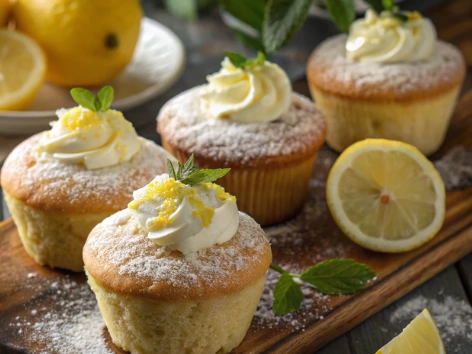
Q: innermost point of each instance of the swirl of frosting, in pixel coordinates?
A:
(185, 218)
(95, 139)
(387, 39)
(255, 94)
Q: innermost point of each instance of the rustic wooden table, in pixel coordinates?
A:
(205, 41)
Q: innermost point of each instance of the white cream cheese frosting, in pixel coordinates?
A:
(254, 94)
(183, 217)
(388, 39)
(94, 139)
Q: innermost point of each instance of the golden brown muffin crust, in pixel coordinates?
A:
(330, 71)
(187, 129)
(121, 258)
(71, 188)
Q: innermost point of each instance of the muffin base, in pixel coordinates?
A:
(142, 325)
(420, 122)
(52, 238)
(269, 194)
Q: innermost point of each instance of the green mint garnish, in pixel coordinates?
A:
(334, 276)
(240, 61)
(282, 19)
(190, 174)
(87, 99)
(343, 13)
(287, 295)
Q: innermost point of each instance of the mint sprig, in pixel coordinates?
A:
(240, 61)
(282, 19)
(87, 99)
(343, 13)
(334, 276)
(190, 174)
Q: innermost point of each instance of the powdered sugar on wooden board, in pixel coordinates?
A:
(185, 125)
(452, 316)
(69, 323)
(455, 168)
(332, 66)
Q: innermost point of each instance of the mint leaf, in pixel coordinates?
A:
(342, 12)
(204, 176)
(260, 60)
(190, 174)
(282, 19)
(401, 16)
(250, 12)
(388, 5)
(287, 295)
(105, 98)
(377, 5)
(171, 170)
(236, 59)
(251, 42)
(84, 98)
(338, 276)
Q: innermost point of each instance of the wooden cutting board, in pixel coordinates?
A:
(25, 287)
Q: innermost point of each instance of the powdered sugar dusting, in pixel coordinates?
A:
(452, 316)
(331, 65)
(455, 168)
(53, 178)
(71, 324)
(290, 241)
(120, 242)
(184, 124)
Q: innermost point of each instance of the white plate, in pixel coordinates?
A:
(158, 62)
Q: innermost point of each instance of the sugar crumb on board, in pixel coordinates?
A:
(70, 324)
(452, 316)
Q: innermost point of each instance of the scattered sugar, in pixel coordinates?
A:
(81, 187)
(455, 168)
(307, 230)
(132, 253)
(452, 316)
(183, 122)
(331, 66)
(71, 325)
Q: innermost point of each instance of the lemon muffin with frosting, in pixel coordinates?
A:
(247, 118)
(389, 78)
(59, 184)
(180, 270)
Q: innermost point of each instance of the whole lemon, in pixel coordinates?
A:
(86, 42)
(5, 8)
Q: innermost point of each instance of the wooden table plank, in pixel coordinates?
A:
(379, 329)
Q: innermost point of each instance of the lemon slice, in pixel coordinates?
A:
(420, 336)
(386, 196)
(22, 70)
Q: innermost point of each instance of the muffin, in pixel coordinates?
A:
(390, 78)
(179, 271)
(248, 119)
(60, 183)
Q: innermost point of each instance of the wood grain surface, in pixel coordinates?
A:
(397, 274)
(204, 42)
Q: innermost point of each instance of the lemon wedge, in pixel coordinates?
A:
(22, 70)
(420, 336)
(386, 196)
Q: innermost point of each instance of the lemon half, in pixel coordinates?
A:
(420, 336)
(386, 195)
(22, 70)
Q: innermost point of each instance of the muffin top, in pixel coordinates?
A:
(120, 256)
(51, 184)
(186, 124)
(331, 71)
